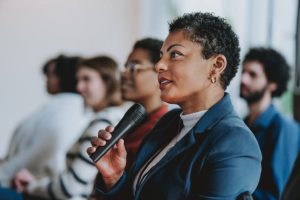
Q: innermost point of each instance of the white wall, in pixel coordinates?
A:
(34, 30)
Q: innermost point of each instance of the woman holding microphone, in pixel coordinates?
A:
(202, 150)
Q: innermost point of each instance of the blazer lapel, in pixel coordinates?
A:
(185, 143)
(157, 141)
(206, 123)
(164, 135)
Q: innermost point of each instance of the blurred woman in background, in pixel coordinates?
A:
(42, 140)
(140, 85)
(98, 83)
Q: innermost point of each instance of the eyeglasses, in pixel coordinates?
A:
(135, 68)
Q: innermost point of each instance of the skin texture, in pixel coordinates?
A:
(91, 86)
(255, 89)
(141, 86)
(185, 76)
(253, 79)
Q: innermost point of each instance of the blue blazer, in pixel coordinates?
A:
(218, 159)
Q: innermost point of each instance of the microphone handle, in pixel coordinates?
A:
(116, 135)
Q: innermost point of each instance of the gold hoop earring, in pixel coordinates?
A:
(213, 80)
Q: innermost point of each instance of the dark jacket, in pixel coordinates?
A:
(279, 141)
(218, 159)
(292, 188)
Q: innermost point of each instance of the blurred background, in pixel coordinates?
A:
(33, 31)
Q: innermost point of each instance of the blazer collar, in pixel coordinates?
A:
(264, 119)
(164, 134)
(214, 115)
(209, 119)
(156, 141)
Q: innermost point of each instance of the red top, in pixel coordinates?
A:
(134, 139)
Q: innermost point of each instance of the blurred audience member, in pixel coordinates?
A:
(98, 83)
(139, 84)
(41, 141)
(291, 190)
(265, 75)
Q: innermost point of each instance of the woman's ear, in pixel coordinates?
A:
(219, 64)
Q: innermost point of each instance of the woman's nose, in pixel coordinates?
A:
(160, 65)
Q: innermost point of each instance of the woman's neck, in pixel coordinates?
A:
(202, 101)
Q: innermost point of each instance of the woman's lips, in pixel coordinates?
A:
(163, 83)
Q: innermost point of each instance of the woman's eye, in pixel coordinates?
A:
(174, 54)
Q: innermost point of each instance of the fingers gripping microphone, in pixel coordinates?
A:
(132, 118)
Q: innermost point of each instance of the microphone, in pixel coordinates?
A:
(132, 118)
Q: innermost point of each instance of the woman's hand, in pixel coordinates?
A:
(22, 179)
(112, 164)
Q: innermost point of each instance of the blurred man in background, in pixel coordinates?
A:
(265, 75)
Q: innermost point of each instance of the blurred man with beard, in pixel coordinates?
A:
(265, 75)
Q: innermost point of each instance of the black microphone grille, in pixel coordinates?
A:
(138, 112)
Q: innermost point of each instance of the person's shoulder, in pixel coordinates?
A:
(117, 110)
(66, 98)
(66, 105)
(284, 126)
(232, 122)
(282, 119)
(236, 132)
(65, 102)
(231, 131)
(113, 114)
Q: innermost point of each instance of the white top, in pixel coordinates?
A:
(41, 141)
(76, 182)
(189, 121)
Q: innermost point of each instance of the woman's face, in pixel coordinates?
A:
(183, 73)
(52, 81)
(91, 86)
(139, 80)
